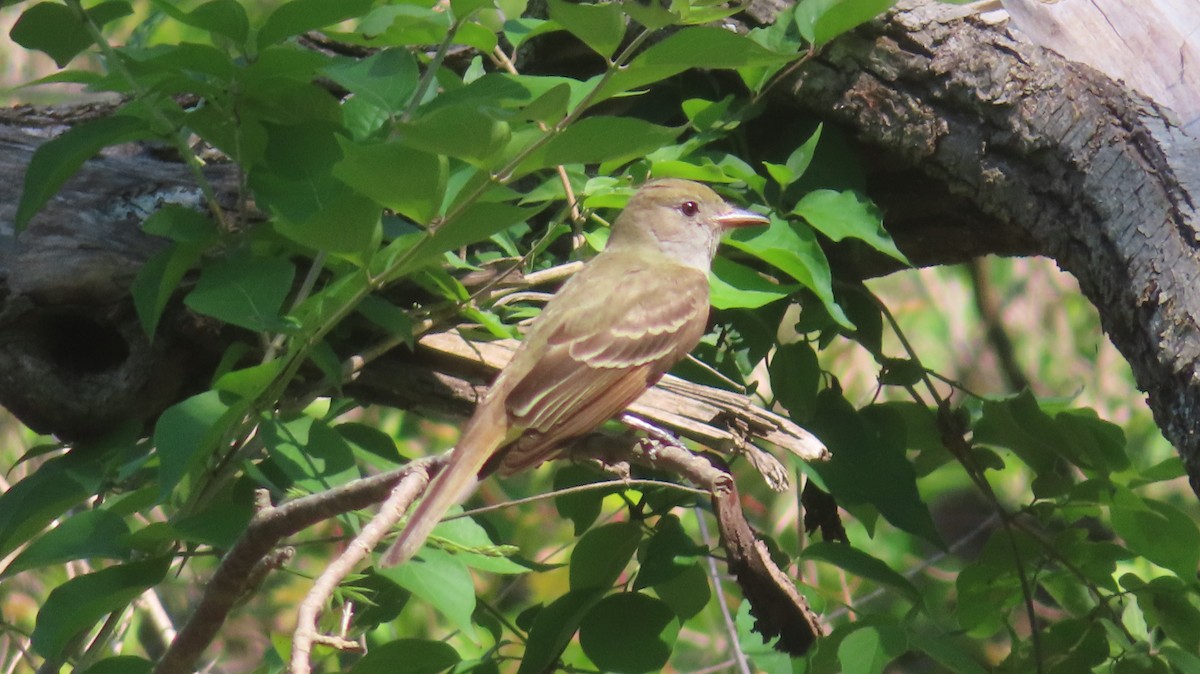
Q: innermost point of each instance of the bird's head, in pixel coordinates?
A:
(679, 218)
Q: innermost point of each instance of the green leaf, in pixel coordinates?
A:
(705, 115)
(458, 131)
(820, 21)
(309, 453)
(181, 224)
(222, 17)
(388, 316)
(464, 8)
(56, 29)
(399, 25)
(551, 106)
(667, 553)
(868, 649)
(800, 158)
(990, 587)
(89, 534)
(874, 438)
(793, 249)
(1099, 445)
(651, 15)
(480, 221)
(471, 544)
(702, 47)
(863, 565)
(553, 628)
(442, 580)
(186, 433)
(687, 593)
(795, 378)
(121, 664)
(629, 632)
(736, 286)
(386, 79)
(32, 503)
(946, 651)
(297, 184)
(407, 656)
(1169, 604)
(248, 382)
(299, 16)
(841, 215)
(344, 221)
(79, 603)
(1170, 468)
(1019, 424)
(602, 554)
(157, 280)
(1158, 531)
(245, 291)
(57, 160)
(797, 162)
(409, 182)
(582, 508)
(600, 26)
(222, 520)
(1076, 645)
(593, 140)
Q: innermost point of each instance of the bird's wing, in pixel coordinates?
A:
(592, 366)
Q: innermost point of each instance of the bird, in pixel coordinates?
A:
(612, 330)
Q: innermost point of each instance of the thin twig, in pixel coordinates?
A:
(402, 496)
(743, 663)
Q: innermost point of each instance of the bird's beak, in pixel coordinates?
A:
(738, 217)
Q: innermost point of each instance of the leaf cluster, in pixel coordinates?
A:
(405, 165)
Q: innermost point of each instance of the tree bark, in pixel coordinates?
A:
(977, 142)
(990, 144)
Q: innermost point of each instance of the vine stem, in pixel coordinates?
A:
(977, 476)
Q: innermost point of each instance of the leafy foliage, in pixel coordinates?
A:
(385, 172)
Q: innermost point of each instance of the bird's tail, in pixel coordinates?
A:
(485, 433)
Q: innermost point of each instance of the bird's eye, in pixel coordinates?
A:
(689, 208)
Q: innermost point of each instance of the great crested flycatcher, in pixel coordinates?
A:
(613, 329)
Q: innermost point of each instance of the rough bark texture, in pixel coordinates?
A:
(1050, 155)
(978, 142)
(74, 360)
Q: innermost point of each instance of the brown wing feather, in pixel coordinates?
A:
(588, 369)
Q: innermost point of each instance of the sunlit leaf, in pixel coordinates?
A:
(299, 16)
(841, 215)
(89, 534)
(244, 291)
(820, 21)
(409, 182)
(442, 580)
(602, 554)
(79, 603)
(600, 26)
(793, 249)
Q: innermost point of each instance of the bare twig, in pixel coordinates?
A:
(403, 495)
(714, 576)
(266, 529)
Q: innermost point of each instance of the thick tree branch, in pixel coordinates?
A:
(1047, 157)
